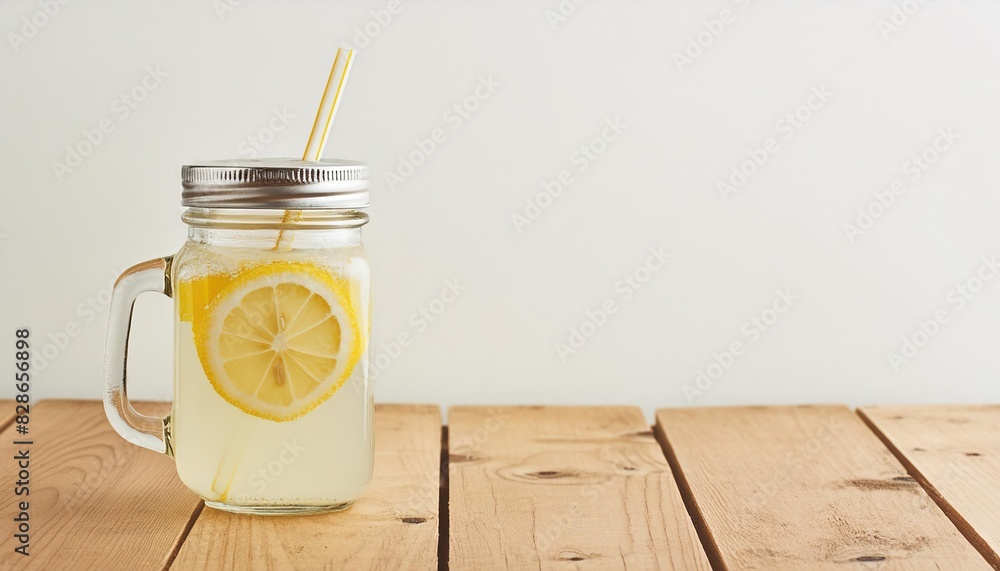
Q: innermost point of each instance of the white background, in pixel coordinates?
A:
(892, 86)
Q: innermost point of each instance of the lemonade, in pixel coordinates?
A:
(271, 404)
(272, 410)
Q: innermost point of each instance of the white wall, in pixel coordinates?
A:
(889, 92)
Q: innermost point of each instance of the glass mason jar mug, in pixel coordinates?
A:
(272, 410)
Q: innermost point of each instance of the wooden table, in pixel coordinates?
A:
(805, 487)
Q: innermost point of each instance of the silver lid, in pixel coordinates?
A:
(288, 184)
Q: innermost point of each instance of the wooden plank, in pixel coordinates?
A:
(393, 525)
(805, 488)
(954, 451)
(6, 413)
(562, 487)
(96, 501)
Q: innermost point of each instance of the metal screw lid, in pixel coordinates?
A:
(288, 184)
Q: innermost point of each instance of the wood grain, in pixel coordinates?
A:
(563, 487)
(6, 413)
(954, 451)
(393, 525)
(96, 501)
(806, 488)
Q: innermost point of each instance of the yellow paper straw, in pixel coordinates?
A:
(336, 100)
(319, 110)
(294, 215)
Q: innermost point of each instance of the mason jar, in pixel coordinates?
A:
(272, 410)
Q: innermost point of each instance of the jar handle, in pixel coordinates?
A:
(151, 432)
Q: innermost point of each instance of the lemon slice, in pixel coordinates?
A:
(278, 340)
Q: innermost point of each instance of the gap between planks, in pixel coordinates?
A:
(697, 519)
(563, 487)
(935, 443)
(7, 416)
(443, 504)
(394, 524)
(765, 503)
(98, 501)
(183, 536)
